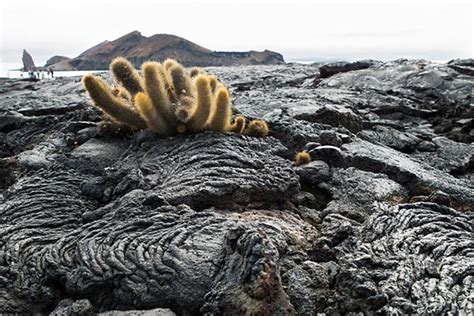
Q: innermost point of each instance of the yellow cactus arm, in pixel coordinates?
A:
(181, 81)
(124, 72)
(116, 107)
(152, 117)
(155, 88)
(203, 104)
(220, 120)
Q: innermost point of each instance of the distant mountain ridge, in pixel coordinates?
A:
(138, 48)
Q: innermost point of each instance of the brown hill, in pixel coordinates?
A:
(59, 63)
(138, 48)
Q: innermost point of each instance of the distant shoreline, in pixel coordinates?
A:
(15, 72)
(18, 74)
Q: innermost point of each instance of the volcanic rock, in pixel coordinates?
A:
(59, 63)
(28, 63)
(380, 222)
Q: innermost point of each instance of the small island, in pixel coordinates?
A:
(138, 49)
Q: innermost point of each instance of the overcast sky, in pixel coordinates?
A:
(317, 30)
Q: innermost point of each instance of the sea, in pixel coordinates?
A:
(12, 70)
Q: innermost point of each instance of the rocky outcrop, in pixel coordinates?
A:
(28, 63)
(328, 70)
(59, 63)
(464, 66)
(379, 222)
(56, 59)
(138, 49)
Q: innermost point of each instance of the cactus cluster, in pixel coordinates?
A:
(168, 99)
(302, 158)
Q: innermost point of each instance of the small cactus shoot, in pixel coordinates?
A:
(239, 124)
(257, 128)
(302, 158)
